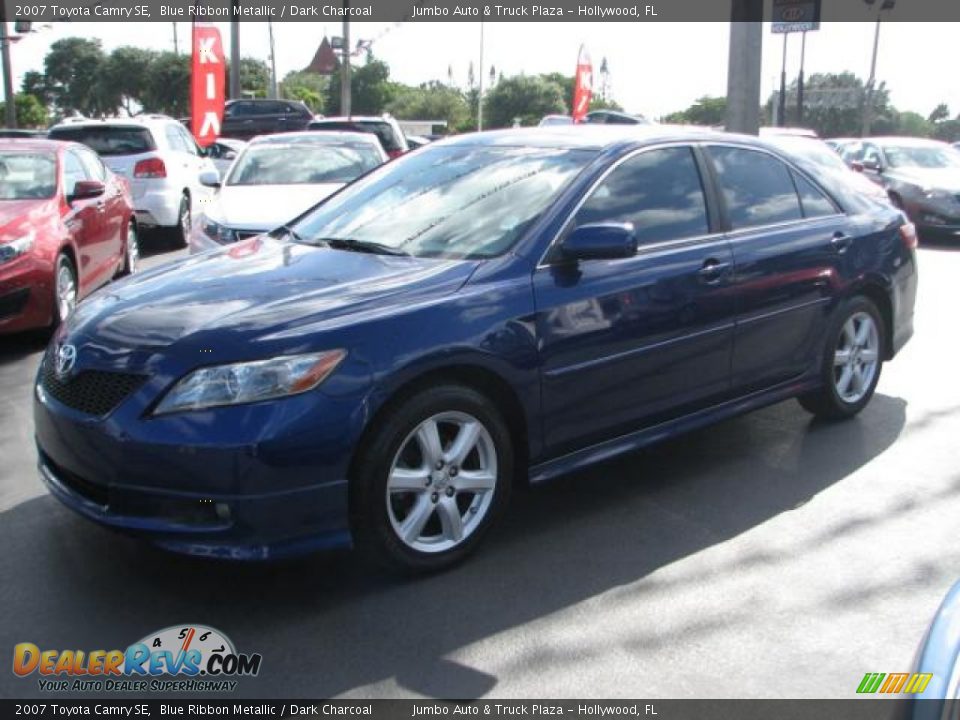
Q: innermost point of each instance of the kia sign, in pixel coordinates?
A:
(795, 16)
(206, 83)
(582, 86)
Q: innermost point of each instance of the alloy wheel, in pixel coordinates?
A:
(66, 290)
(856, 357)
(442, 481)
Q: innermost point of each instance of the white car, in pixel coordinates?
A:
(278, 177)
(160, 159)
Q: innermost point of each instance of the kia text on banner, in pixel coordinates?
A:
(206, 83)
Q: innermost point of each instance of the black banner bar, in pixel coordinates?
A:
(853, 709)
(453, 11)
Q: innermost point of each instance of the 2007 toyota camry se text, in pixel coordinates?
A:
(494, 307)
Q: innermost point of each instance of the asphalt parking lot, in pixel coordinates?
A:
(769, 556)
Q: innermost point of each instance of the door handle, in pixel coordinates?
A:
(840, 242)
(712, 270)
(100, 206)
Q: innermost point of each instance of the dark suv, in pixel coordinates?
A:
(246, 118)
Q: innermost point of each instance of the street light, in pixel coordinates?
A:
(868, 91)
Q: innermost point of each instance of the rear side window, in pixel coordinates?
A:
(659, 191)
(108, 140)
(757, 187)
(814, 202)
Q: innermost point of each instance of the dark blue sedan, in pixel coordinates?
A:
(504, 305)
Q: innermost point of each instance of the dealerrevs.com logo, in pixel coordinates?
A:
(180, 658)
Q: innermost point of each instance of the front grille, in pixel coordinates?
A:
(13, 303)
(94, 392)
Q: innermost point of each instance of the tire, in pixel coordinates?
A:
(131, 255)
(852, 361)
(181, 231)
(64, 278)
(404, 516)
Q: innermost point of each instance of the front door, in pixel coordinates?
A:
(628, 342)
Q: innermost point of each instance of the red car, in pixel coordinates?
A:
(66, 228)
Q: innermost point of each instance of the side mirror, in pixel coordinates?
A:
(229, 155)
(210, 178)
(87, 189)
(872, 165)
(600, 241)
(856, 166)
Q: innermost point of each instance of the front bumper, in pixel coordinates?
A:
(246, 482)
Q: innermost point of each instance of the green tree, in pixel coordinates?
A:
(167, 86)
(833, 105)
(915, 124)
(940, 113)
(35, 83)
(522, 97)
(31, 112)
(705, 110)
(431, 101)
(370, 86)
(254, 77)
(74, 78)
(128, 71)
(307, 87)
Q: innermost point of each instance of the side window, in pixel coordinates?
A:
(174, 139)
(94, 167)
(73, 171)
(871, 155)
(189, 144)
(757, 187)
(814, 202)
(659, 191)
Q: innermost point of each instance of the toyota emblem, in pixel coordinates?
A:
(66, 359)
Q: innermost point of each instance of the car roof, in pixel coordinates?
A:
(904, 141)
(36, 144)
(354, 118)
(136, 121)
(596, 137)
(327, 137)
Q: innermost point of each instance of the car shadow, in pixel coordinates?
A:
(326, 624)
(939, 242)
(16, 346)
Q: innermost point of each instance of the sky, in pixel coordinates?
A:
(655, 68)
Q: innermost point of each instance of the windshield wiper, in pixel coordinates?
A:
(367, 246)
(289, 232)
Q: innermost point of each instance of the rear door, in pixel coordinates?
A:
(629, 342)
(789, 240)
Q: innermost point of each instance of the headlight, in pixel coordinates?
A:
(215, 231)
(250, 381)
(15, 248)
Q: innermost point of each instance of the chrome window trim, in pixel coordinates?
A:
(542, 263)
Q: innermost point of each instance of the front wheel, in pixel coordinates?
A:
(181, 232)
(65, 289)
(131, 256)
(851, 363)
(431, 480)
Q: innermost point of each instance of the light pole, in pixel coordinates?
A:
(11, 101)
(782, 114)
(868, 90)
(345, 96)
(480, 89)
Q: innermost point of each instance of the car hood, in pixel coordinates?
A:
(258, 289)
(18, 217)
(929, 178)
(264, 207)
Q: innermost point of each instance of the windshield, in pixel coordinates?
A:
(303, 164)
(447, 201)
(921, 157)
(27, 176)
(108, 140)
(381, 129)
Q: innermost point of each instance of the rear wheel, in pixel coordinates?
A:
(851, 364)
(131, 257)
(181, 232)
(64, 289)
(431, 480)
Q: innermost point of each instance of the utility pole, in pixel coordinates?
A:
(480, 89)
(803, 52)
(176, 44)
(743, 71)
(782, 115)
(11, 101)
(234, 50)
(868, 90)
(345, 98)
(274, 93)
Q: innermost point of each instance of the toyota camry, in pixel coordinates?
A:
(496, 307)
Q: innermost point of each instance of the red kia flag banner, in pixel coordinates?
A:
(582, 86)
(206, 83)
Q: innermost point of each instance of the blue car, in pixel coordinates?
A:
(505, 305)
